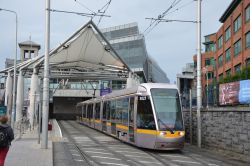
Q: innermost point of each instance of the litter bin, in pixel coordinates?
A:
(49, 126)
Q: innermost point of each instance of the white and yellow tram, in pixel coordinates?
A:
(148, 115)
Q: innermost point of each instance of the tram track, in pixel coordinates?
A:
(98, 148)
(127, 160)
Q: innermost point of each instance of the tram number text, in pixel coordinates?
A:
(142, 98)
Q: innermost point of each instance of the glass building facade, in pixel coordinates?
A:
(130, 45)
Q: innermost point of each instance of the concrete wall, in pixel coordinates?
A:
(226, 129)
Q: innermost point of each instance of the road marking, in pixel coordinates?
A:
(138, 156)
(169, 155)
(98, 152)
(105, 157)
(79, 160)
(76, 155)
(213, 164)
(119, 148)
(149, 162)
(113, 164)
(93, 149)
(181, 161)
(130, 152)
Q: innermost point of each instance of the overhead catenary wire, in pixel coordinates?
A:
(104, 8)
(78, 13)
(155, 21)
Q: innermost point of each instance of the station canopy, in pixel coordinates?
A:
(84, 55)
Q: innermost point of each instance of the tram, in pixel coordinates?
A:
(148, 115)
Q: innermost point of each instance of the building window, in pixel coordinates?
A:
(210, 47)
(237, 24)
(248, 62)
(207, 62)
(247, 11)
(228, 72)
(248, 39)
(228, 55)
(221, 76)
(237, 48)
(210, 75)
(220, 60)
(237, 68)
(220, 42)
(228, 34)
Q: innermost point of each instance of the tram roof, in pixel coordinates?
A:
(129, 91)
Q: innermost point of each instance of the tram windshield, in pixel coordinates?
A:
(168, 109)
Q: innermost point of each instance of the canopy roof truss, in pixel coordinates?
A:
(84, 55)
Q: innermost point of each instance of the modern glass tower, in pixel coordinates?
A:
(130, 45)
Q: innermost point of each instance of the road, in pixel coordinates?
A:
(85, 146)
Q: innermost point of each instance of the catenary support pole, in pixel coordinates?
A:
(45, 107)
(190, 118)
(199, 74)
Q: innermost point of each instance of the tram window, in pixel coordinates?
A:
(90, 111)
(97, 111)
(168, 109)
(119, 111)
(145, 117)
(113, 107)
(125, 111)
(104, 111)
(84, 111)
(131, 110)
(108, 110)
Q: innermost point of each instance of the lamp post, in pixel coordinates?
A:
(14, 81)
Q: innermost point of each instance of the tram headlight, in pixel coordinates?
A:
(163, 133)
(181, 133)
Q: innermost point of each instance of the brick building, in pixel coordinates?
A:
(228, 50)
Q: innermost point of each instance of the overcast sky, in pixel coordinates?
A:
(172, 45)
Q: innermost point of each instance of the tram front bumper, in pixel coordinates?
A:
(165, 143)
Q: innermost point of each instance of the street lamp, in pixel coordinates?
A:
(14, 82)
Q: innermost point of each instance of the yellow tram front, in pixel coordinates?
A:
(160, 120)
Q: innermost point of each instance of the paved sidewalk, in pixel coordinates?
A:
(27, 152)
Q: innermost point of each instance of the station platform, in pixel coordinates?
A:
(26, 151)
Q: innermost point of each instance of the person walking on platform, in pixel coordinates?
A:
(6, 136)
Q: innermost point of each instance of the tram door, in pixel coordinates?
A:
(90, 114)
(145, 123)
(104, 118)
(112, 116)
(131, 119)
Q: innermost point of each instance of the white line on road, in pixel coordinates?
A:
(138, 156)
(149, 162)
(213, 164)
(182, 161)
(113, 164)
(130, 152)
(169, 155)
(105, 157)
(79, 160)
(76, 155)
(98, 152)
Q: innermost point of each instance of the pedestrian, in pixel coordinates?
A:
(6, 136)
